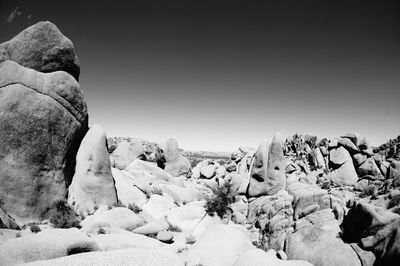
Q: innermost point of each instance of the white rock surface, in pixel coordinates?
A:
(92, 185)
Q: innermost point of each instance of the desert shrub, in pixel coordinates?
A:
(220, 200)
(133, 207)
(118, 204)
(63, 216)
(35, 228)
(395, 201)
(101, 231)
(173, 228)
(190, 239)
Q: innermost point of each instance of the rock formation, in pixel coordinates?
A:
(169, 158)
(267, 175)
(43, 118)
(42, 47)
(93, 184)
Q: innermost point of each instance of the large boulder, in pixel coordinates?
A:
(308, 199)
(369, 167)
(45, 245)
(120, 217)
(220, 245)
(364, 220)
(126, 152)
(42, 47)
(317, 240)
(43, 118)
(267, 175)
(93, 183)
(158, 206)
(121, 239)
(169, 158)
(130, 256)
(181, 195)
(385, 244)
(344, 172)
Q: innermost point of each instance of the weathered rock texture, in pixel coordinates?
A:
(169, 158)
(43, 118)
(42, 47)
(267, 175)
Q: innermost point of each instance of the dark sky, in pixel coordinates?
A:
(219, 74)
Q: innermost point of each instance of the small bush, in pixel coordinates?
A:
(173, 228)
(118, 204)
(190, 239)
(220, 201)
(35, 228)
(133, 207)
(395, 201)
(101, 231)
(63, 216)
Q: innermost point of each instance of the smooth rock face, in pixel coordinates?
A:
(267, 175)
(132, 257)
(221, 245)
(126, 152)
(169, 158)
(127, 191)
(120, 217)
(43, 118)
(344, 172)
(42, 47)
(93, 183)
(48, 244)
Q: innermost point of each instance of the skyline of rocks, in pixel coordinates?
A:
(69, 195)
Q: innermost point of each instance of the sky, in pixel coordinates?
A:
(216, 75)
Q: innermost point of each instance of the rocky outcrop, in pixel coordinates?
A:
(344, 172)
(267, 174)
(273, 215)
(42, 47)
(93, 183)
(316, 240)
(126, 152)
(43, 118)
(169, 158)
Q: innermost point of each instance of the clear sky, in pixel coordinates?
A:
(217, 75)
